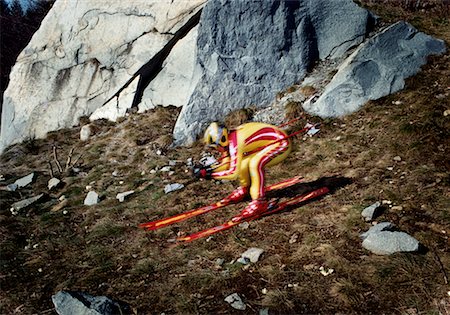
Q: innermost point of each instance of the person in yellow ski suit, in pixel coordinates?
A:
(246, 151)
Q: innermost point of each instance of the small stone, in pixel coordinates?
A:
(243, 260)
(244, 225)
(142, 173)
(386, 243)
(158, 152)
(88, 187)
(35, 246)
(338, 138)
(397, 158)
(12, 187)
(172, 163)
(65, 212)
(24, 181)
(326, 271)
(91, 199)
(40, 270)
(23, 204)
(293, 239)
(62, 198)
(264, 291)
(397, 103)
(173, 187)
(171, 173)
(2, 178)
(386, 202)
(235, 301)
(264, 311)
(253, 254)
(165, 169)
(85, 133)
(219, 262)
(397, 208)
(121, 196)
(152, 171)
(121, 182)
(390, 168)
(53, 183)
(371, 212)
(447, 113)
(115, 173)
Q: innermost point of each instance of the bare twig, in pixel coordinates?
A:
(76, 161)
(51, 169)
(444, 273)
(69, 160)
(55, 157)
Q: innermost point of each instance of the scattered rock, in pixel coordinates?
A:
(23, 204)
(244, 225)
(397, 158)
(24, 181)
(115, 173)
(383, 226)
(165, 169)
(372, 211)
(91, 199)
(220, 262)
(60, 205)
(397, 208)
(172, 163)
(243, 260)
(293, 239)
(252, 254)
(326, 271)
(235, 301)
(53, 183)
(173, 187)
(69, 302)
(381, 240)
(264, 311)
(447, 113)
(121, 196)
(12, 187)
(85, 133)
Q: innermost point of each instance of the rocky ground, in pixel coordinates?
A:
(394, 151)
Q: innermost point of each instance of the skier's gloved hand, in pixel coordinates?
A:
(202, 172)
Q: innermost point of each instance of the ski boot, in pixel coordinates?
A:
(237, 195)
(255, 207)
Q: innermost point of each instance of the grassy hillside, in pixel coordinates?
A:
(100, 250)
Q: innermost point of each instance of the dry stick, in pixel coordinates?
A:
(76, 161)
(51, 169)
(55, 157)
(438, 259)
(69, 160)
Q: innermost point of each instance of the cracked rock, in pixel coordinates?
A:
(236, 302)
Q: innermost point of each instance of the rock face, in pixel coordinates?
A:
(250, 50)
(84, 53)
(377, 68)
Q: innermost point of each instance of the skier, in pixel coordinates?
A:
(246, 151)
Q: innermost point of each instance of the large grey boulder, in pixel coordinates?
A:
(377, 68)
(88, 55)
(80, 303)
(250, 50)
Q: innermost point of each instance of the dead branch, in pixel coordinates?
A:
(69, 160)
(51, 169)
(55, 157)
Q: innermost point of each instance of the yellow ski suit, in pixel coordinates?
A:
(245, 161)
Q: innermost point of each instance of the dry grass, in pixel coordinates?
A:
(99, 249)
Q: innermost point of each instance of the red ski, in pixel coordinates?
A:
(276, 207)
(154, 225)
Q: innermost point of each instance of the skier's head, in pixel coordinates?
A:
(216, 136)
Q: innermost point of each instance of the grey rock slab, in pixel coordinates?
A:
(387, 243)
(253, 254)
(12, 187)
(248, 51)
(80, 303)
(383, 226)
(236, 302)
(91, 199)
(369, 213)
(377, 68)
(121, 196)
(173, 187)
(25, 181)
(20, 205)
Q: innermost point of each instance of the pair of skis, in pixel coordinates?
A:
(273, 207)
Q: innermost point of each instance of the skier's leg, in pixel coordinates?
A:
(240, 193)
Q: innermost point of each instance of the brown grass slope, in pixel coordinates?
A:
(99, 249)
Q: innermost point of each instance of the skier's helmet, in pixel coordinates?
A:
(216, 135)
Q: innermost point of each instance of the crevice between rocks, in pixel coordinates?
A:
(152, 68)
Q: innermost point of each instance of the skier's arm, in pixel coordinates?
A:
(235, 158)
